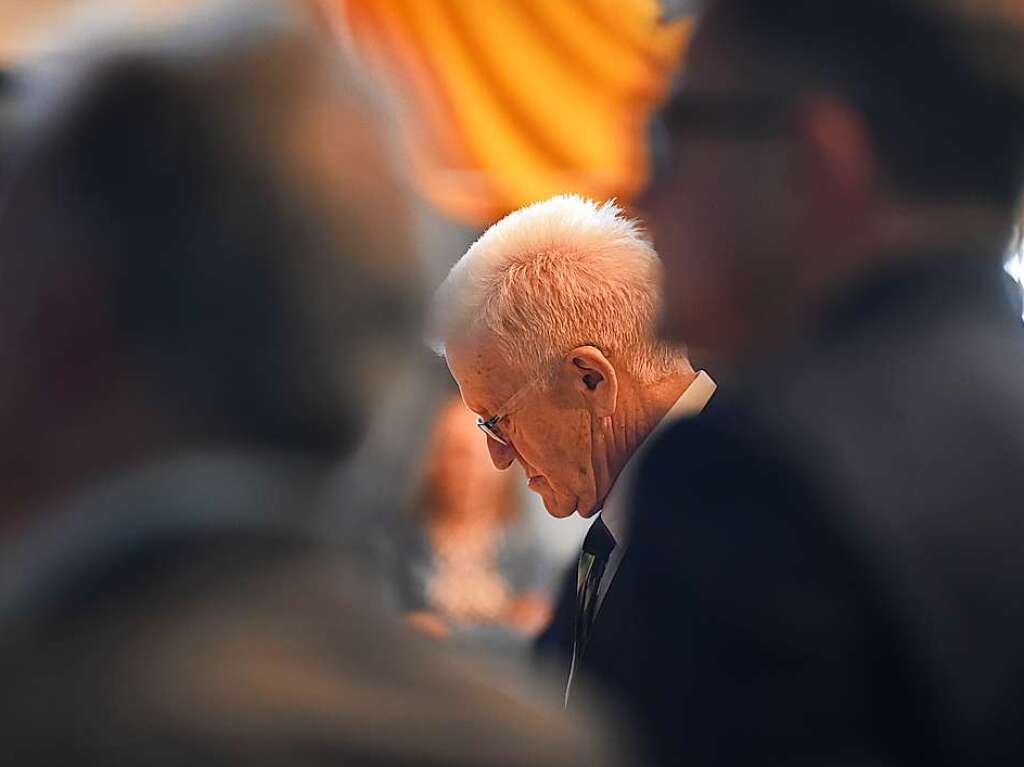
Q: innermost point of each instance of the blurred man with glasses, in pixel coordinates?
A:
(836, 550)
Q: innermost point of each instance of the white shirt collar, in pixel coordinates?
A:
(690, 403)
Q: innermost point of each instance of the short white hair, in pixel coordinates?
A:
(556, 275)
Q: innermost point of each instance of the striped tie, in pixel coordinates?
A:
(597, 547)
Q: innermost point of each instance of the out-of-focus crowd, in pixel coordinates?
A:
(733, 468)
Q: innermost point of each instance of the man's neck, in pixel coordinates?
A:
(904, 231)
(123, 433)
(638, 412)
(892, 233)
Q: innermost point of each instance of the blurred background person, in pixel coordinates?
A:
(206, 279)
(477, 569)
(834, 552)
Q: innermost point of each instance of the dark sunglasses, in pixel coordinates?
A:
(715, 117)
(727, 116)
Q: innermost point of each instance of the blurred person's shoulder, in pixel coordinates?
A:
(296, 653)
(880, 431)
(250, 646)
(923, 358)
(905, 390)
(282, 658)
(934, 333)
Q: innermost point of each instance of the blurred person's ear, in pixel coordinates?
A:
(841, 162)
(587, 372)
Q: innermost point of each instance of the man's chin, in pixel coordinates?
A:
(555, 508)
(559, 513)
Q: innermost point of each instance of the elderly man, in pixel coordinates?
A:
(199, 300)
(837, 549)
(547, 325)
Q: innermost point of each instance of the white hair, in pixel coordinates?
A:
(556, 275)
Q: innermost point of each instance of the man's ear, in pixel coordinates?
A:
(585, 371)
(843, 155)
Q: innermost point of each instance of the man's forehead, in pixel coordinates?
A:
(715, 61)
(725, 52)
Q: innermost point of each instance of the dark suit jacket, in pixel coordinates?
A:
(830, 567)
(616, 641)
(175, 617)
(619, 644)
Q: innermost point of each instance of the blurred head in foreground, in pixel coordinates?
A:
(204, 275)
(547, 324)
(813, 142)
(194, 252)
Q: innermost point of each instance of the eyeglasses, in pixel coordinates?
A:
(490, 426)
(717, 117)
(727, 116)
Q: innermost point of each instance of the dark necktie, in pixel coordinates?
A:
(597, 547)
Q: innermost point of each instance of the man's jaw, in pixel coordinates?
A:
(539, 485)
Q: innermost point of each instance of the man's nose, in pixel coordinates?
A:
(501, 455)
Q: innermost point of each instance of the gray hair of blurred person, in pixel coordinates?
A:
(207, 230)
